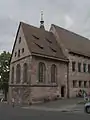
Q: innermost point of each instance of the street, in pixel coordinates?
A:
(7, 112)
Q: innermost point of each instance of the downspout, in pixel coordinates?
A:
(68, 80)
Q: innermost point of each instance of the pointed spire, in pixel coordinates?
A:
(42, 21)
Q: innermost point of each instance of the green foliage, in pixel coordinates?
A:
(4, 71)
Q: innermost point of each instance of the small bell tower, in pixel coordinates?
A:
(42, 21)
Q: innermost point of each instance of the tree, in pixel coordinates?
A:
(4, 71)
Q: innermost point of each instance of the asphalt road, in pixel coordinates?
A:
(17, 113)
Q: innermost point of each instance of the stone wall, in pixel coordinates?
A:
(39, 92)
(17, 88)
(20, 94)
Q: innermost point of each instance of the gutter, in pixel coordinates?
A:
(50, 57)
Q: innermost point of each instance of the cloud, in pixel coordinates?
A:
(7, 33)
(73, 15)
(69, 22)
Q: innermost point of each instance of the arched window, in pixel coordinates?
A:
(25, 74)
(53, 73)
(18, 73)
(42, 72)
(12, 75)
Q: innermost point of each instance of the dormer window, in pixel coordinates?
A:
(49, 40)
(35, 37)
(53, 49)
(39, 45)
(19, 40)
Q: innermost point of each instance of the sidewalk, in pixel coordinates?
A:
(59, 105)
(62, 109)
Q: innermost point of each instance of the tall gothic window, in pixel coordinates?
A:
(18, 73)
(25, 74)
(12, 75)
(42, 72)
(53, 73)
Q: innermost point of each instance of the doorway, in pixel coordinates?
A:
(62, 91)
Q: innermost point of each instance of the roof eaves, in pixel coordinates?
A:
(78, 53)
(50, 57)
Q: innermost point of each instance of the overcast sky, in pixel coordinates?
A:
(71, 14)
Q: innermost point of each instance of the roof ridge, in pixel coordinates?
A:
(72, 41)
(70, 31)
(33, 26)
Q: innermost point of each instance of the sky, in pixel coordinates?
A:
(73, 15)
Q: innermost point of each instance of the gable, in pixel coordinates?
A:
(20, 48)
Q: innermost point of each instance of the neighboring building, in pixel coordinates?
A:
(77, 49)
(38, 67)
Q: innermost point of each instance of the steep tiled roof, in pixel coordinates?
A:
(74, 42)
(41, 42)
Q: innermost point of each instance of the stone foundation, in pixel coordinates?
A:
(28, 95)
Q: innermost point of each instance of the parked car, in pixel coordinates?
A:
(87, 107)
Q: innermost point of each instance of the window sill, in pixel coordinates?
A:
(33, 85)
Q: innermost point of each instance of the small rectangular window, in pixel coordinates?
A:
(19, 40)
(73, 66)
(79, 67)
(88, 68)
(74, 83)
(84, 67)
(15, 54)
(89, 84)
(80, 83)
(85, 84)
(22, 50)
(18, 53)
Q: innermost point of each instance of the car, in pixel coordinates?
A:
(87, 107)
